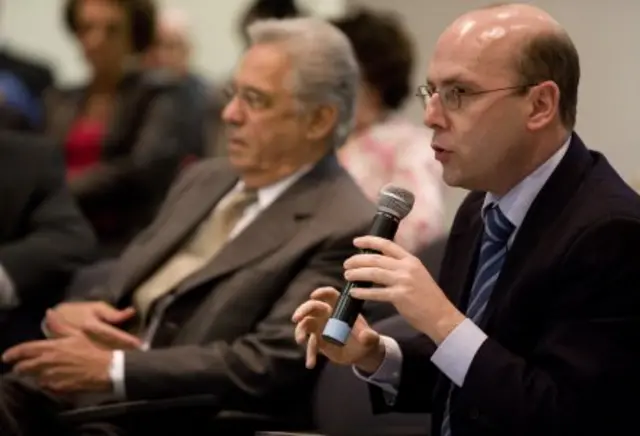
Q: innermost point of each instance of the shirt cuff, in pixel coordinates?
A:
(116, 373)
(387, 376)
(454, 355)
(8, 297)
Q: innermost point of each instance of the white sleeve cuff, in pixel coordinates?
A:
(8, 297)
(454, 355)
(387, 376)
(116, 372)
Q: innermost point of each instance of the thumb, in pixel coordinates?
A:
(368, 337)
(116, 316)
(57, 325)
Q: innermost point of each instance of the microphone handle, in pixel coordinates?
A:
(348, 308)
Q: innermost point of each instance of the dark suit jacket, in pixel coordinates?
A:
(43, 236)
(229, 332)
(141, 154)
(563, 320)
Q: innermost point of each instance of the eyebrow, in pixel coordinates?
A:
(455, 80)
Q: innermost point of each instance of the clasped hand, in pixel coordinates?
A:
(78, 356)
(400, 279)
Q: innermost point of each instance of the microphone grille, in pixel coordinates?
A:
(396, 201)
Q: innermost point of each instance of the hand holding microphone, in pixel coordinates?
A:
(330, 322)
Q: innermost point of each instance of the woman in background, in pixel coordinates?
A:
(119, 130)
(384, 147)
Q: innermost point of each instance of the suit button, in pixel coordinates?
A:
(474, 413)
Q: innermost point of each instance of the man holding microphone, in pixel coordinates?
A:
(534, 326)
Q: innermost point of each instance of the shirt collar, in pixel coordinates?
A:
(269, 194)
(516, 203)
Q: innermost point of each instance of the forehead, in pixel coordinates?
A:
(470, 53)
(264, 66)
(100, 9)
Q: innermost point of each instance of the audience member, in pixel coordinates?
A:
(171, 51)
(210, 287)
(43, 236)
(23, 83)
(119, 131)
(533, 329)
(384, 146)
(264, 10)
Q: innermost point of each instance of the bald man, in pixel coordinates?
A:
(534, 326)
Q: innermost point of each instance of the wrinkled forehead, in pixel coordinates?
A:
(479, 53)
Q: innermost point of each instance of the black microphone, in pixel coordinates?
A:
(394, 204)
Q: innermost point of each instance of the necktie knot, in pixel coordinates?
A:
(498, 228)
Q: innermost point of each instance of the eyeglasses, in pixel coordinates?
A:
(451, 96)
(252, 98)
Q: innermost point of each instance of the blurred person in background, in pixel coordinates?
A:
(23, 82)
(384, 147)
(264, 10)
(44, 238)
(171, 52)
(119, 131)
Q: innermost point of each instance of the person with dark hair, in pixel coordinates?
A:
(118, 131)
(384, 147)
(533, 326)
(265, 9)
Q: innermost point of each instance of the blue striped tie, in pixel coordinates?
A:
(497, 230)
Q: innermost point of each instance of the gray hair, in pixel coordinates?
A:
(325, 67)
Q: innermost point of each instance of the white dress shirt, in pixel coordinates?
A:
(266, 196)
(454, 355)
(8, 296)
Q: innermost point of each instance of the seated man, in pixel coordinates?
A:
(43, 236)
(208, 290)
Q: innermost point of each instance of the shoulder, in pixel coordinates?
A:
(20, 145)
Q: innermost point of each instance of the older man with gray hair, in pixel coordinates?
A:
(201, 302)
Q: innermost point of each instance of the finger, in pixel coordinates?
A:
(32, 367)
(312, 352)
(375, 275)
(27, 350)
(311, 308)
(304, 328)
(384, 246)
(371, 260)
(384, 295)
(58, 326)
(111, 335)
(327, 294)
(115, 316)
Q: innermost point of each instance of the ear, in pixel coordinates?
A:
(544, 102)
(322, 120)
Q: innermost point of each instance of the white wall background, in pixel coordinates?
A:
(606, 34)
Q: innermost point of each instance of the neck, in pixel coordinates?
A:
(262, 179)
(529, 162)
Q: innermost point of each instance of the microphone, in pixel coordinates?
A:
(394, 204)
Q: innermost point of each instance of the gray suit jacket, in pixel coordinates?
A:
(229, 331)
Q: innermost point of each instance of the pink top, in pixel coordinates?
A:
(399, 152)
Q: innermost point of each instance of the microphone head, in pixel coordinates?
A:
(395, 201)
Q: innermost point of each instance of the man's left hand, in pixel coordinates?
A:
(404, 282)
(70, 364)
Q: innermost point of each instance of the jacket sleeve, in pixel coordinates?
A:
(58, 240)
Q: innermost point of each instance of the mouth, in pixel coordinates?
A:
(441, 154)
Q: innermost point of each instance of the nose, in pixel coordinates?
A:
(232, 112)
(434, 115)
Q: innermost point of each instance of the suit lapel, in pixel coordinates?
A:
(197, 202)
(554, 196)
(273, 226)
